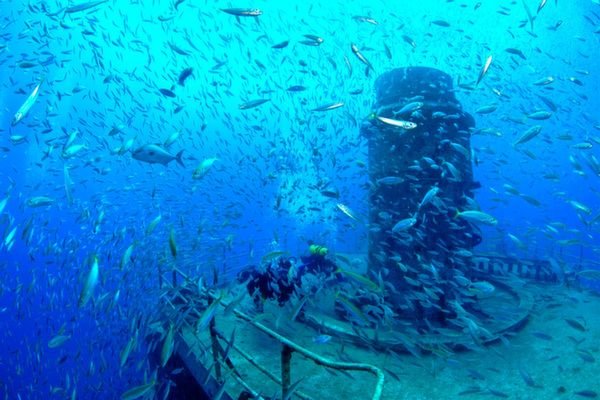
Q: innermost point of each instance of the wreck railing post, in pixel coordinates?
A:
(286, 367)
(215, 348)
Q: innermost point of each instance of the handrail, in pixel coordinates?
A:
(262, 369)
(235, 376)
(288, 347)
(317, 359)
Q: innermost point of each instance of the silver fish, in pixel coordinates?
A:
(346, 210)
(168, 345)
(58, 341)
(539, 115)
(481, 287)
(484, 69)
(253, 103)
(90, 283)
(84, 6)
(360, 56)
(327, 107)
(390, 180)
(409, 108)
(431, 193)
(243, 12)
(154, 154)
(529, 134)
(20, 114)
(40, 201)
(404, 224)
(397, 122)
(477, 217)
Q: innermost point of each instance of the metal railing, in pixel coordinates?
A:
(288, 347)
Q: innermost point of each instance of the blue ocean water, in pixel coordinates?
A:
(252, 177)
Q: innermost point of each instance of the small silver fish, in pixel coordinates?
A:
(90, 283)
(253, 103)
(529, 134)
(328, 107)
(484, 69)
(397, 123)
(410, 107)
(539, 115)
(321, 339)
(477, 217)
(481, 287)
(360, 56)
(243, 12)
(40, 201)
(390, 180)
(404, 224)
(20, 114)
(168, 345)
(431, 193)
(346, 210)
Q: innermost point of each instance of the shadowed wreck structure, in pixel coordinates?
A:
(422, 176)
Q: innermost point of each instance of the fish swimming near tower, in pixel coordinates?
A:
(155, 154)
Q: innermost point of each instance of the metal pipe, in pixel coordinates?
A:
(287, 349)
(317, 359)
(265, 371)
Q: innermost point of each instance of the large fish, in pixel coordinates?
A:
(154, 154)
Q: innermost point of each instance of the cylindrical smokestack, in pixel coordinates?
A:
(406, 164)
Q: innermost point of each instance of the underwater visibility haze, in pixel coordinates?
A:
(413, 186)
